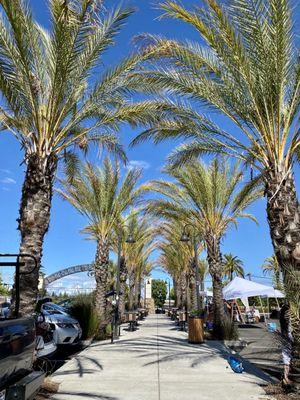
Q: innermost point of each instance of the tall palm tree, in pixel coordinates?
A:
(135, 256)
(232, 265)
(247, 68)
(271, 267)
(57, 99)
(174, 257)
(102, 197)
(212, 198)
(177, 258)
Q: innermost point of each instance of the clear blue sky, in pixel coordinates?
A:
(64, 245)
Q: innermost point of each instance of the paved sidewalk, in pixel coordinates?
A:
(155, 363)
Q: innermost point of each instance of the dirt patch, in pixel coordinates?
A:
(279, 393)
(48, 389)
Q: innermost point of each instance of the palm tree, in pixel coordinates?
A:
(271, 266)
(100, 195)
(135, 256)
(232, 265)
(212, 198)
(247, 68)
(176, 259)
(57, 100)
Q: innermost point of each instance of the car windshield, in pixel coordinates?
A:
(52, 311)
(52, 308)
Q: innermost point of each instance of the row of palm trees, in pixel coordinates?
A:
(107, 201)
(246, 68)
(58, 102)
(211, 198)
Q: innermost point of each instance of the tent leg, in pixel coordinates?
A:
(262, 307)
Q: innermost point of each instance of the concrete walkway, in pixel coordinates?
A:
(155, 363)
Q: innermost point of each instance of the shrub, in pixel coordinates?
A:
(230, 331)
(83, 309)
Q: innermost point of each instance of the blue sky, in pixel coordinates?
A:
(64, 245)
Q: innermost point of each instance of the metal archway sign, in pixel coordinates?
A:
(68, 271)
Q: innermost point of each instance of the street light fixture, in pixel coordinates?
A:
(130, 239)
(185, 237)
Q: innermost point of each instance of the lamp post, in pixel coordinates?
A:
(130, 239)
(169, 287)
(185, 237)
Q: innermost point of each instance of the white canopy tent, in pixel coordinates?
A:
(206, 293)
(240, 288)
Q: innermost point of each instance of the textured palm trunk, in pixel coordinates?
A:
(192, 287)
(178, 293)
(123, 278)
(34, 223)
(101, 277)
(131, 291)
(183, 290)
(188, 300)
(175, 290)
(137, 292)
(284, 221)
(214, 259)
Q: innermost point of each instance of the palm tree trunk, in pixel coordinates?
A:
(136, 293)
(139, 291)
(175, 290)
(131, 291)
(284, 221)
(178, 293)
(183, 290)
(123, 278)
(215, 264)
(192, 287)
(188, 300)
(101, 277)
(34, 223)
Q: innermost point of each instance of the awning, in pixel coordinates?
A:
(240, 288)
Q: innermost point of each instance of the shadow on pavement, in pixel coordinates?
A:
(84, 395)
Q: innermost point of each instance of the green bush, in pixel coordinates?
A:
(105, 333)
(196, 313)
(83, 309)
(230, 331)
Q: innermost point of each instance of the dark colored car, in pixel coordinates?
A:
(17, 344)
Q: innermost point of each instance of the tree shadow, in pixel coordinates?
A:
(89, 395)
(81, 370)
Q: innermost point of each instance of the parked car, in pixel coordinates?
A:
(5, 309)
(66, 329)
(17, 344)
(45, 343)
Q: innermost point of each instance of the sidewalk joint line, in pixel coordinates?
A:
(158, 355)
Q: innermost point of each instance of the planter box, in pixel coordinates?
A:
(196, 331)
